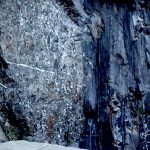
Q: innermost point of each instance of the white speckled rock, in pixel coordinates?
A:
(45, 61)
(24, 145)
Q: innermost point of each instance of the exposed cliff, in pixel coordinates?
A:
(120, 118)
(41, 71)
(77, 71)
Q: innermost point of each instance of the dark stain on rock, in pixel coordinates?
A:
(15, 120)
(70, 9)
(56, 64)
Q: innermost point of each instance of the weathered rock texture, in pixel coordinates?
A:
(120, 82)
(57, 56)
(41, 71)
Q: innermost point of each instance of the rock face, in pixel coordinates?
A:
(76, 72)
(41, 68)
(24, 145)
(120, 78)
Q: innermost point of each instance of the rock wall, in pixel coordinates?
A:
(41, 71)
(77, 72)
(120, 118)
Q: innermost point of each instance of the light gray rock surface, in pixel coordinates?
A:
(24, 145)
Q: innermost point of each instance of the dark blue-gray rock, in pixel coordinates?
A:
(147, 104)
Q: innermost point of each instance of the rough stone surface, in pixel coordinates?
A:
(43, 83)
(117, 102)
(24, 145)
(57, 56)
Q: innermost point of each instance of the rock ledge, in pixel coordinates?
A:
(25, 145)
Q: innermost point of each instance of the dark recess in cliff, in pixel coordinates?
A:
(101, 122)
